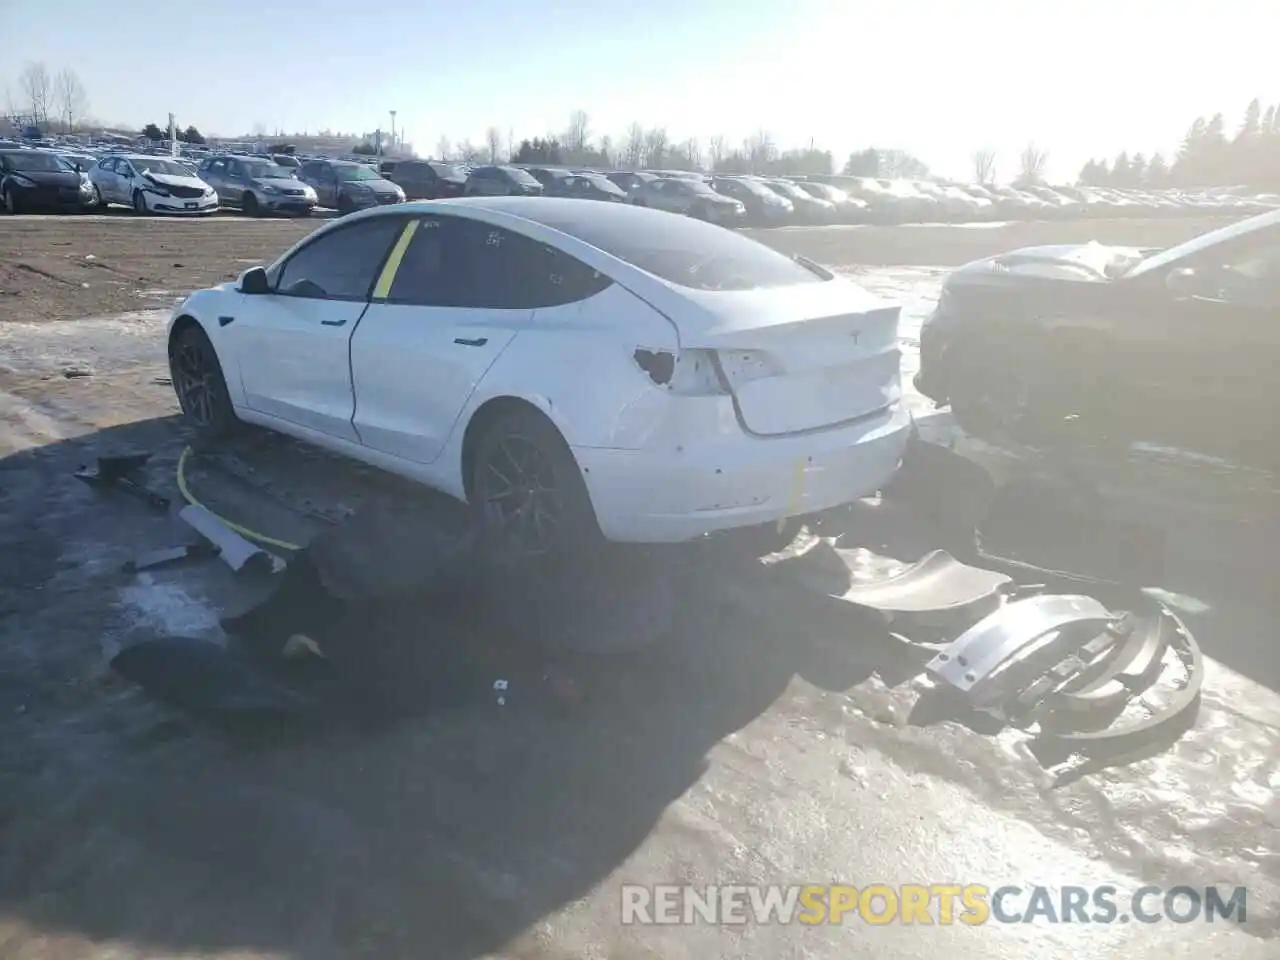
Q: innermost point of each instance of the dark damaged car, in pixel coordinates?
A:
(1113, 345)
(32, 180)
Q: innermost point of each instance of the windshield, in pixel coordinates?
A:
(824, 192)
(448, 170)
(35, 161)
(681, 250)
(166, 168)
(684, 185)
(789, 190)
(266, 171)
(518, 175)
(601, 183)
(755, 188)
(1204, 242)
(357, 171)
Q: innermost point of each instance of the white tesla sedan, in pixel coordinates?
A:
(584, 368)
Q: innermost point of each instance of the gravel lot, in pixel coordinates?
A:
(752, 745)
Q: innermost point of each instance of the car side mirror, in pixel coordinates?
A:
(254, 281)
(78, 168)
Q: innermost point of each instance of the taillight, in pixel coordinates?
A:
(690, 373)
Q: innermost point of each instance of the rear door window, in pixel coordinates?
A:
(452, 262)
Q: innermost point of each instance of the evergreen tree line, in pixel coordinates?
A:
(1210, 156)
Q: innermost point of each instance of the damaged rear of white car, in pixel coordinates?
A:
(779, 395)
(602, 368)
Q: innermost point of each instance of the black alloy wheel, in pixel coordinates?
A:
(199, 383)
(525, 477)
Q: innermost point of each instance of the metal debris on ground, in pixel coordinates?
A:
(238, 553)
(1064, 655)
(155, 559)
(119, 473)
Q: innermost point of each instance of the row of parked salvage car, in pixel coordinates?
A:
(36, 179)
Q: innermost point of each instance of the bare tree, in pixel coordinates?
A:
(1031, 164)
(493, 142)
(71, 98)
(444, 149)
(656, 146)
(984, 166)
(259, 129)
(577, 135)
(605, 149)
(36, 88)
(716, 151)
(470, 152)
(760, 150)
(633, 150)
(691, 153)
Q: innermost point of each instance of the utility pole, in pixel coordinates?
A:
(393, 129)
(173, 136)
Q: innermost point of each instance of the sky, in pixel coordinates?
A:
(939, 79)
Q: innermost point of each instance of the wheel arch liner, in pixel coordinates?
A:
(980, 650)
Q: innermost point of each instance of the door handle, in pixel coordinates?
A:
(478, 342)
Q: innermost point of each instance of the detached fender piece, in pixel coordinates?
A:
(976, 653)
(1132, 735)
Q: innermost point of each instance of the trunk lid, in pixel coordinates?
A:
(798, 358)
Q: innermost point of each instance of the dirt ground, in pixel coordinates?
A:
(65, 268)
(763, 738)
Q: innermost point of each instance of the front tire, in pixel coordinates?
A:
(525, 474)
(11, 205)
(344, 205)
(102, 201)
(250, 205)
(200, 385)
(139, 203)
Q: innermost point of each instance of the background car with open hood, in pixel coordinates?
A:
(151, 185)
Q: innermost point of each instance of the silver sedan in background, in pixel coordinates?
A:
(257, 186)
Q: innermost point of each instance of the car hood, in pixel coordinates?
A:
(377, 186)
(172, 180)
(50, 178)
(1091, 262)
(282, 183)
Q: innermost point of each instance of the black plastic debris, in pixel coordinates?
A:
(208, 680)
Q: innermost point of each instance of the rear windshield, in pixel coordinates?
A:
(681, 250)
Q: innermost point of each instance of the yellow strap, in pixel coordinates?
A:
(388, 275)
(797, 493)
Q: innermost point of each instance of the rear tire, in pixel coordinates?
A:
(11, 204)
(523, 471)
(200, 385)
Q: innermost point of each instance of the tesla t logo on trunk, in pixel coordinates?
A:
(856, 334)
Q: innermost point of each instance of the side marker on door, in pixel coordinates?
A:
(388, 275)
(223, 321)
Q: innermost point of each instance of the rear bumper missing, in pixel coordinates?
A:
(667, 496)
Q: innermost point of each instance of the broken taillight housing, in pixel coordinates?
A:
(696, 375)
(705, 373)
